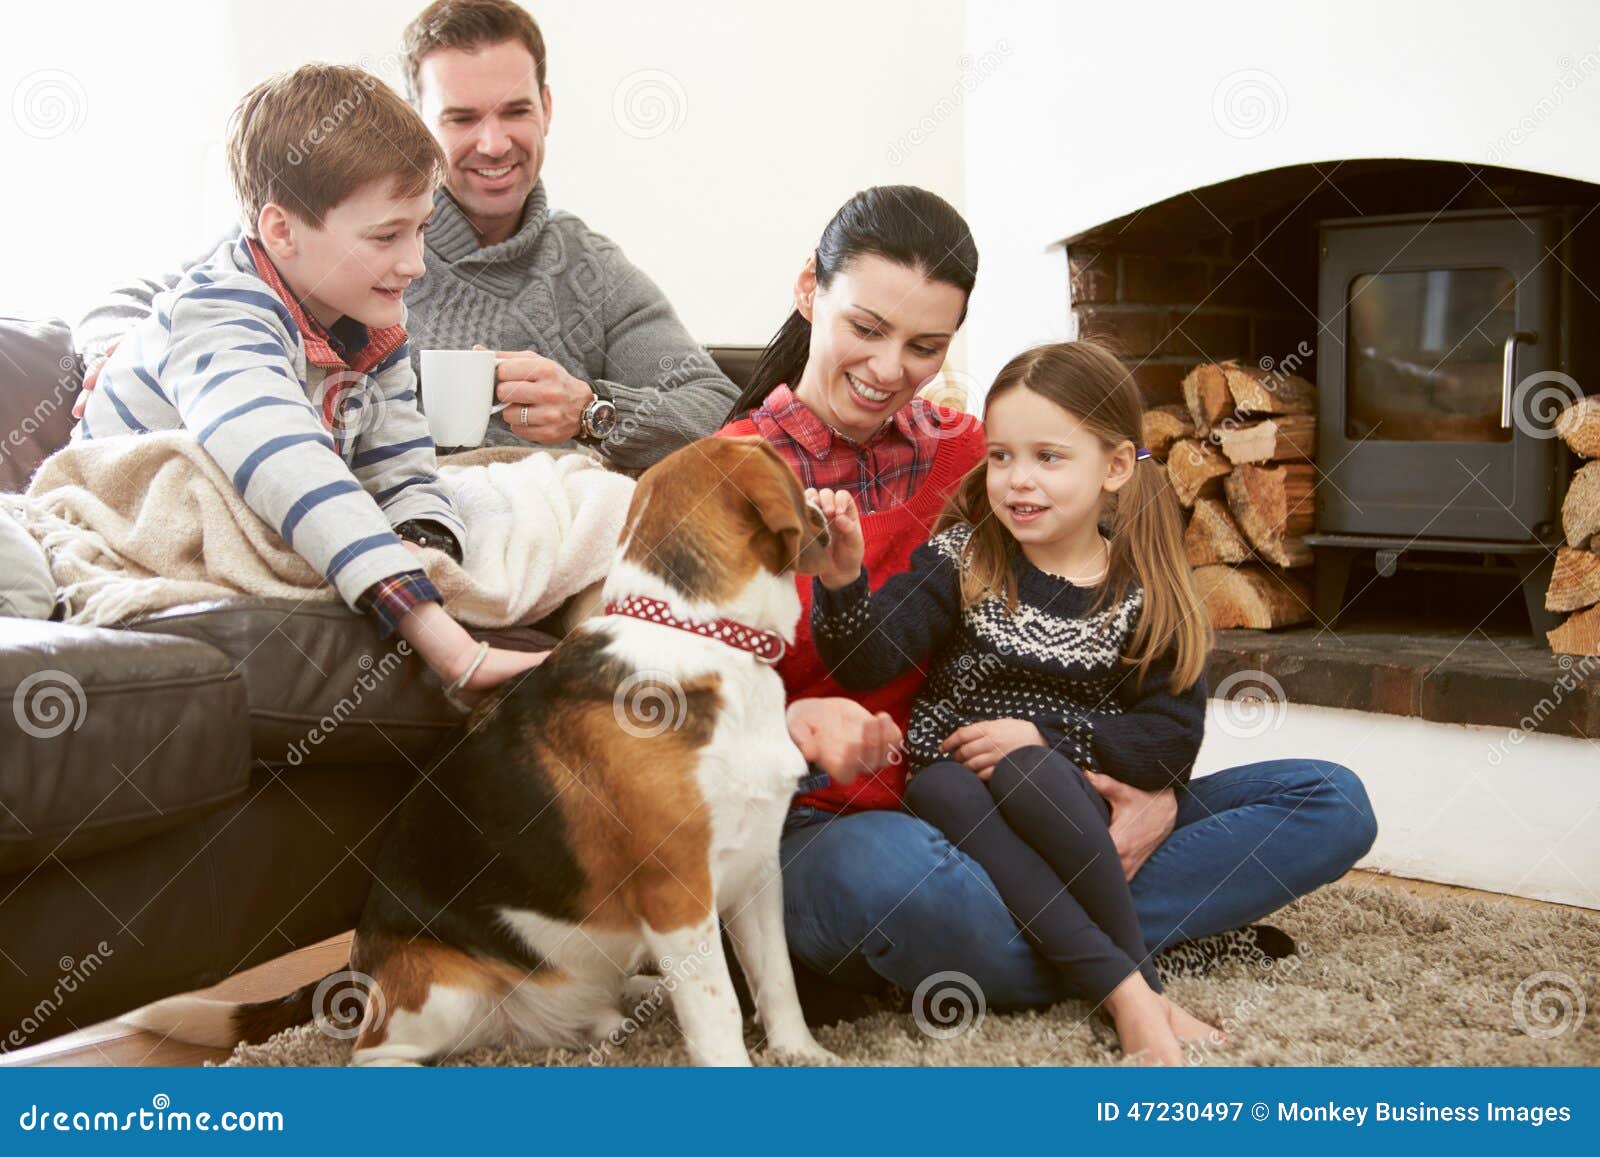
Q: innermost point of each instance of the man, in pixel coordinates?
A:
(591, 350)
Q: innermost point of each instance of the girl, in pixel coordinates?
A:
(1056, 653)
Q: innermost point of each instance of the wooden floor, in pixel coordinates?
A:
(119, 1045)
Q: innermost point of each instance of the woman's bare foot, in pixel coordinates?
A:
(1187, 1026)
(1143, 1024)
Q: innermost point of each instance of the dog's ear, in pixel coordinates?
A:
(770, 486)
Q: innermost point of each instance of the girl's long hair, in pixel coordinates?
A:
(1146, 531)
(907, 225)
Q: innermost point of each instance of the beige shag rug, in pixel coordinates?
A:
(1384, 978)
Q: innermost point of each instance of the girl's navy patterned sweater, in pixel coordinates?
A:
(1050, 663)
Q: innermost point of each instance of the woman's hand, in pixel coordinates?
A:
(982, 745)
(842, 737)
(845, 545)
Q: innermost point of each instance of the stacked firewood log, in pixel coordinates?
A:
(1239, 454)
(1575, 583)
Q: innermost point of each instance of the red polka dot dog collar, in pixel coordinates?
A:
(767, 646)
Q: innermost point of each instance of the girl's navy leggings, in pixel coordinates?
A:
(1040, 830)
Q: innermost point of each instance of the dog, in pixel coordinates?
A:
(617, 806)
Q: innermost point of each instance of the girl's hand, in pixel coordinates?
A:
(982, 745)
(845, 544)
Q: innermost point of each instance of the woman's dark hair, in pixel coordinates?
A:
(905, 224)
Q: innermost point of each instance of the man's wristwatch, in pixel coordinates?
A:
(599, 417)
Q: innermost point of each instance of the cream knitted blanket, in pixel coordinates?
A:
(140, 524)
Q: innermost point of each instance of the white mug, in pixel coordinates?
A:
(458, 395)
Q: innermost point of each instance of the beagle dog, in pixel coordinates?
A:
(617, 806)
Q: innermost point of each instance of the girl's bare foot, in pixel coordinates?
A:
(1187, 1026)
(1143, 1024)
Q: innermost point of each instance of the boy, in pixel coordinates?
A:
(285, 353)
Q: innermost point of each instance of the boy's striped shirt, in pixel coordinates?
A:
(330, 453)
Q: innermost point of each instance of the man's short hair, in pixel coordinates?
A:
(469, 24)
(309, 139)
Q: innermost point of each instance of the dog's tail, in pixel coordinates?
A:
(339, 999)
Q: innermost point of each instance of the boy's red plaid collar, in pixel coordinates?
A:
(802, 424)
(319, 350)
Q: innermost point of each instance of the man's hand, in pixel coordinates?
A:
(846, 547)
(842, 737)
(982, 745)
(553, 398)
(1140, 820)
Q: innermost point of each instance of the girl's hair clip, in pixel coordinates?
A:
(1141, 454)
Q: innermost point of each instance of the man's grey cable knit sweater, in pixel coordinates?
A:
(555, 287)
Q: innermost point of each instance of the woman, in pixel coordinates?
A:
(870, 892)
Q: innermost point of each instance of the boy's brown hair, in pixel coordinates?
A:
(469, 24)
(309, 139)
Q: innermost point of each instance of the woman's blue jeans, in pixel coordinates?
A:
(882, 896)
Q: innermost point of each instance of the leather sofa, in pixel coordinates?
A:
(198, 791)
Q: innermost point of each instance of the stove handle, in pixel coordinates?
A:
(1508, 372)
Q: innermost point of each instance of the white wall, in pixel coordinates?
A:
(769, 118)
(1104, 108)
(1482, 807)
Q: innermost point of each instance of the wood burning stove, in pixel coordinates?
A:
(1449, 343)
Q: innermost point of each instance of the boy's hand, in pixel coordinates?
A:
(447, 649)
(982, 745)
(845, 545)
(91, 379)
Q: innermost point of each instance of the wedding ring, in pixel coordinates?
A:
(524, 420)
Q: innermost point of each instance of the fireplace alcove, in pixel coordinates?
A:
(1233, 271)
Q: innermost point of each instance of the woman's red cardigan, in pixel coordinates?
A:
(891, 535)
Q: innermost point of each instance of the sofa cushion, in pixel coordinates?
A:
(111, 736)
(27, 591)
(321, 687)
(39, 379)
